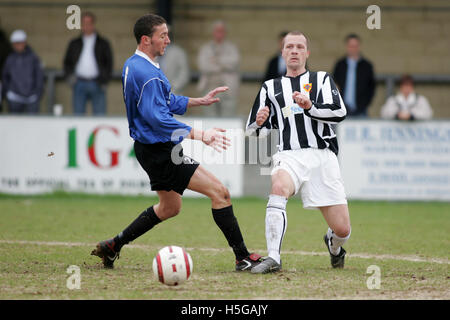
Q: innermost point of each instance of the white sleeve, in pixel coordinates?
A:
(332, 109)
(261, 101)
(422, 111)
(390, 109)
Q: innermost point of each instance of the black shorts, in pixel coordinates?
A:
(164, 173)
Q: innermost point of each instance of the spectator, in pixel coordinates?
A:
(276, 66)
(175, 66)
(407, 104)
(5, 50)
(218, 63)
(355, 78)
(88, 67)
(22, 76)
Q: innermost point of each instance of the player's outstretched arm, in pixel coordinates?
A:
(208, 99)
(212, 137)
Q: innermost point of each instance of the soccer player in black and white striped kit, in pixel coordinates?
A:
(303, 106)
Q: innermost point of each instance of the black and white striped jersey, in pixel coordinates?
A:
(299, 128)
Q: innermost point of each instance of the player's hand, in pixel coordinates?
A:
(215, 139)
(211, 98)
(302, 100)
(262, 115)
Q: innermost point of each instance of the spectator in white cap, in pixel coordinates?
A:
(18, 36)
(22, 76)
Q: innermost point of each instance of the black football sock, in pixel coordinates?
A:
(227, 222)
(146, 220)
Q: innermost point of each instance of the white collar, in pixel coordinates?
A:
(146, 57)
(409, 100)
(90, 37)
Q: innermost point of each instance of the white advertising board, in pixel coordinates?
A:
(96, 155)
(393, 160)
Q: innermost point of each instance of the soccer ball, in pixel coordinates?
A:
(172, 265)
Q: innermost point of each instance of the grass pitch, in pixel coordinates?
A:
(41, 236)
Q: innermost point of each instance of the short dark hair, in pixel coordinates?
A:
(297, 33)
(145, 25)
(406, 79)
(282, 34)
(352, 36)
(89, 14)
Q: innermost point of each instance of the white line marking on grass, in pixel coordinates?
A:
(303, 253)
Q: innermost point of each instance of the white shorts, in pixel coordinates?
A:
(315, 173)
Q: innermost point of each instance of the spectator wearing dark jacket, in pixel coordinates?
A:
(276, 67)
(355, 78)
(88, 67)
(22, 76)
(5, 50)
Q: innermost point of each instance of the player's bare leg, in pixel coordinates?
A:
(169, 205)
(282, 184)
(206, 183)
(276, 220)
(338, 220)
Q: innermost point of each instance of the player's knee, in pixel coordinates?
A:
(280, 189)
(342, 231)
(169, 211)
(175, 211)
(220, 193)
(225, 193)
(172, 212)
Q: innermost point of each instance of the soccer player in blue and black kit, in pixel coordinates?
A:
(150, 108)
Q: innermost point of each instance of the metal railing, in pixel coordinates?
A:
(389, 81)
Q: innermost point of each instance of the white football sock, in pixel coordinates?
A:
(335, 243)
(276, 223)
